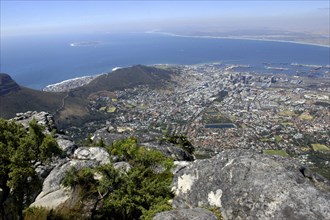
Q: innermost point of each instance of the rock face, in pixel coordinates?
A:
(248, 185)
(7, 84)
(186, 214)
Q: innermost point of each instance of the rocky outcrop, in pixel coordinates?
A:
(7, 84)
(186, 214)
(43, 118)
(53, 193)
(248, 185)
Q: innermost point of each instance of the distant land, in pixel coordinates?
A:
(279, 36)
(84, 44)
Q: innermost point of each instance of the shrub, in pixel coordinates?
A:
(140, 192)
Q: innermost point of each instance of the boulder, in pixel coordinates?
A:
(53, 193)
(247, 185)
(122, 166)
(68, 146)
(98, 154)
(186, 214)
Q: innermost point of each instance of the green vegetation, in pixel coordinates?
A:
(287, 113)
(320, 147)
(112, 109)
(306, 116)
(137, 193)
(26, 99)
(36, 213)
(277, 138)
(21, 152)
(282, 153)
(216, 212)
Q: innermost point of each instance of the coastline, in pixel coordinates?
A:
(236, 38)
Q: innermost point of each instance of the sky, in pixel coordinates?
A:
(51, 17)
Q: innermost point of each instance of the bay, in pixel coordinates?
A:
(37, 61)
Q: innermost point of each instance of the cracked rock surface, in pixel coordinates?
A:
(247, 185)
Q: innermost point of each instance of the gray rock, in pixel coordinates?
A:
(107, 137)
(66, 145)
(43, 118)
(98, 154)
(247, 185)
(122, 166)
(179, 165)
(53, 193)
(186, 214)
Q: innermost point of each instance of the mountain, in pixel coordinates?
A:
(124, 78)
(7, 84)
(72, 107)
(26, 99)
(15, 98)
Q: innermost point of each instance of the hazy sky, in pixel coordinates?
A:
(36, 17)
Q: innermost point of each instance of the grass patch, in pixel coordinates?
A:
(111, 109)
(285, 124)
(277, 138)
(282, 153)
(287, 113)
(264, 139)
(320, 147)
(103, 108)
(305, 116)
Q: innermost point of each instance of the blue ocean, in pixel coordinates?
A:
(39, 61)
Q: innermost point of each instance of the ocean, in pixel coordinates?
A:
(36, 62)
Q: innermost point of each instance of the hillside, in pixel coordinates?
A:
(26, 99)
(124, 78)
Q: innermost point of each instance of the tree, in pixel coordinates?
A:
(21, 152)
